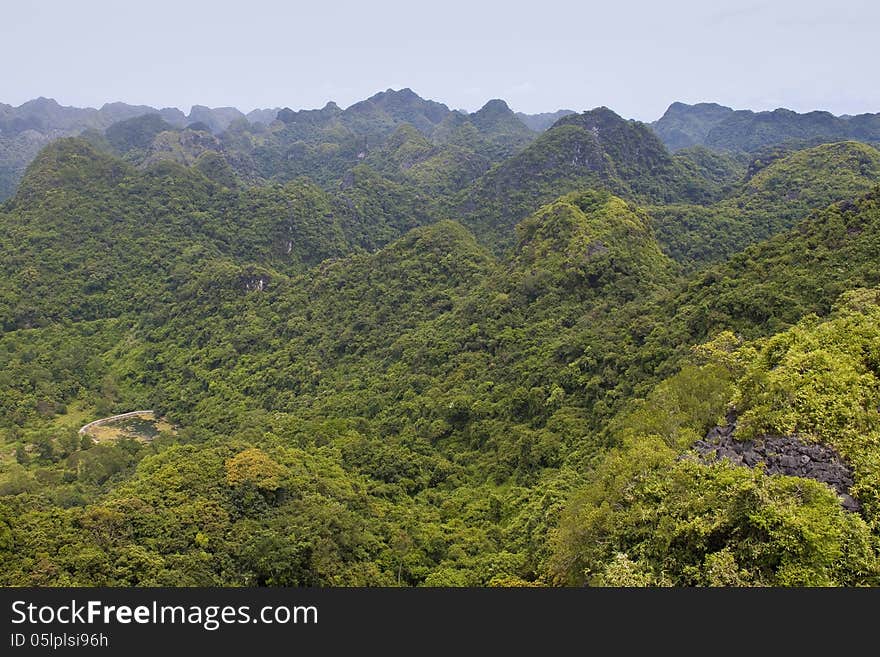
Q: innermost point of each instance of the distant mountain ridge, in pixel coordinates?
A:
(26, 129)
(682, 126)
(47, 115)
(722, 128)
(543, 121)
(455, 148)
(394, 131)
(596, 149)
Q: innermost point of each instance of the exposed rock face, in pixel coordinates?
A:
(787, 455)
(253, 282)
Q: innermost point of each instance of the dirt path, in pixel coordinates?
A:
(113, 418)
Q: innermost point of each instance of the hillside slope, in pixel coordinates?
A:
(770, 199)
(596, 149)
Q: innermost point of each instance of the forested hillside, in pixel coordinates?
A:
(26, 129)
(399, 344)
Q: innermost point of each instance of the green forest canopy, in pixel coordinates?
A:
(472, 357)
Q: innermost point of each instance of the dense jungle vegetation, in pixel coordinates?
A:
(403, 345)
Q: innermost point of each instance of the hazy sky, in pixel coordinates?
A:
(635, 57)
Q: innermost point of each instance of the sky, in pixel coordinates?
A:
(634, 57)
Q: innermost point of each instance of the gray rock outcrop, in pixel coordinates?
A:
(787, 455)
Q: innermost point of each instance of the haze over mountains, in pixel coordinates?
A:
(399, 344)
(719, 127)
(27, 128)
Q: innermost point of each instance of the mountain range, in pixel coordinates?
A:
(721, 128)
(259, 143)
(399, 344)
(25, 129)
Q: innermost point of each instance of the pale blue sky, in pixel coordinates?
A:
(635, 57)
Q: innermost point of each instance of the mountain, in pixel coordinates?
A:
(111, 113)
(217, 119)
(24, 130)
(771, 285)
(633, 522)
(719, 172)
(183, 203)
(325, 143)
(45, 115)
(541, 122)
(591, 242)
(15, 153)
(814, 291)
(777, 191)
(595, 149)
(402, 345)
(264, 116)
(721, 128)
(765, 289)
(746, 130)
(684, 125)
(436, 169)
(502, 131)
(309, 117)
(283, 144)
(381, 113)
(132, 228)
(136, 133)
(425, 375)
